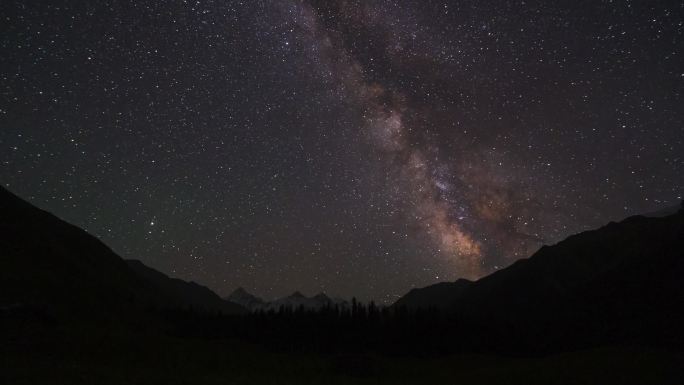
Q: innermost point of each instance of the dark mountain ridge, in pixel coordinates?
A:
(440, 295)
(51, 265)
(622, 282)
(183, 294)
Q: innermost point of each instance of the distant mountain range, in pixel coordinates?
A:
(54, 267)
(294, 301)
(621, 282)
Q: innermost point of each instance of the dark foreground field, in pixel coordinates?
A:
(126, 359)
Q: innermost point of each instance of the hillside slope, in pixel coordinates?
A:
(620, 283)
(52, 266)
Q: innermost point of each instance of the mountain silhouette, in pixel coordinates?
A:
(297, 300)
(185, 295)
(293, 301)
(442, 295)
(54, 267)
(241, 297)
(622, 282)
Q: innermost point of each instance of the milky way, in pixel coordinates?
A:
(352, 147)
(424, 183)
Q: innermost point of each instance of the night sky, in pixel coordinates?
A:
(352, 147)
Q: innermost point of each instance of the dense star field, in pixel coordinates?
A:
(352, 147)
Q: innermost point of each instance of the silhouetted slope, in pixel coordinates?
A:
(442, 295)
(622, 282)
(188, 295)
(51, 265)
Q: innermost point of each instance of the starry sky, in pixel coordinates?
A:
(359, 148)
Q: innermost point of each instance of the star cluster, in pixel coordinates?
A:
(353, 147)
